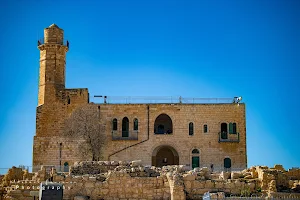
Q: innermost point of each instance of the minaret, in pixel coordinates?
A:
(52, 64)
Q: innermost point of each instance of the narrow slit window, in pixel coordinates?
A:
(135, 124)
(205, 130)
(191, 128)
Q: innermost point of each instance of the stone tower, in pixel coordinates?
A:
(52, 64)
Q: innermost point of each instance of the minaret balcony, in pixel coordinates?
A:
(63, 43)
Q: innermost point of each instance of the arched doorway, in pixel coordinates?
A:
(195, 158)
(164, 155)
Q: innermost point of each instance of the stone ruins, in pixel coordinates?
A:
(131, 180)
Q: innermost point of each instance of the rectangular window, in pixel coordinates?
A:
(205, 128)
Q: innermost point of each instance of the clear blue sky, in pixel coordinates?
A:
(160, 48)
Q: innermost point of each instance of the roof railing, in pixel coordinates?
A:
(163, 100)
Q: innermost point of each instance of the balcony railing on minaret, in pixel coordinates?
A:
(64, 43)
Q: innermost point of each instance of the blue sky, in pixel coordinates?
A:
(212, 48)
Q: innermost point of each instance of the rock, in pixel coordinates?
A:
(188, 184)
(246, 173)
(272, 186)
(189, 177)
(236, 175)
(197, 169)
(279, 167)
(209, 184)
(136, 163)
(199, 184)
(183, 168)
(248, 177)
(114, 163)
(254, 174)
(85, 177)
(219, 184)
(296, 188)
(224, 175)
(204, 169)
(141, 168)
(106, 163)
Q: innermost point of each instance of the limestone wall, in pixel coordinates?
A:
(50, 125)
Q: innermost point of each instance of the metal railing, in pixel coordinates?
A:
(229, 137)
(162, 100)
(124, 135)
(41, 41)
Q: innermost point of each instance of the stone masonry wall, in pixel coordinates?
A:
(211, 151)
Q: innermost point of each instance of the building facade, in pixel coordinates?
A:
(193, 134)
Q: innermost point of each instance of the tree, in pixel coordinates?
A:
(84, 126)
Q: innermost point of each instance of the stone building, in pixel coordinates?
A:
(192, 134)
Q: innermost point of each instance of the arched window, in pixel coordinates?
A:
(224, 127)
(227, 163)
(224, 134)
(191, 128)
(163, 125)
(205, 130)
(115, 124)
(232, 128)
(125, 127)
(195, 151)
(135, 124)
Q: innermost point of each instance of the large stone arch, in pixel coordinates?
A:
(165, 155)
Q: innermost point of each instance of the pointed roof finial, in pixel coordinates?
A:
(53, 26)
